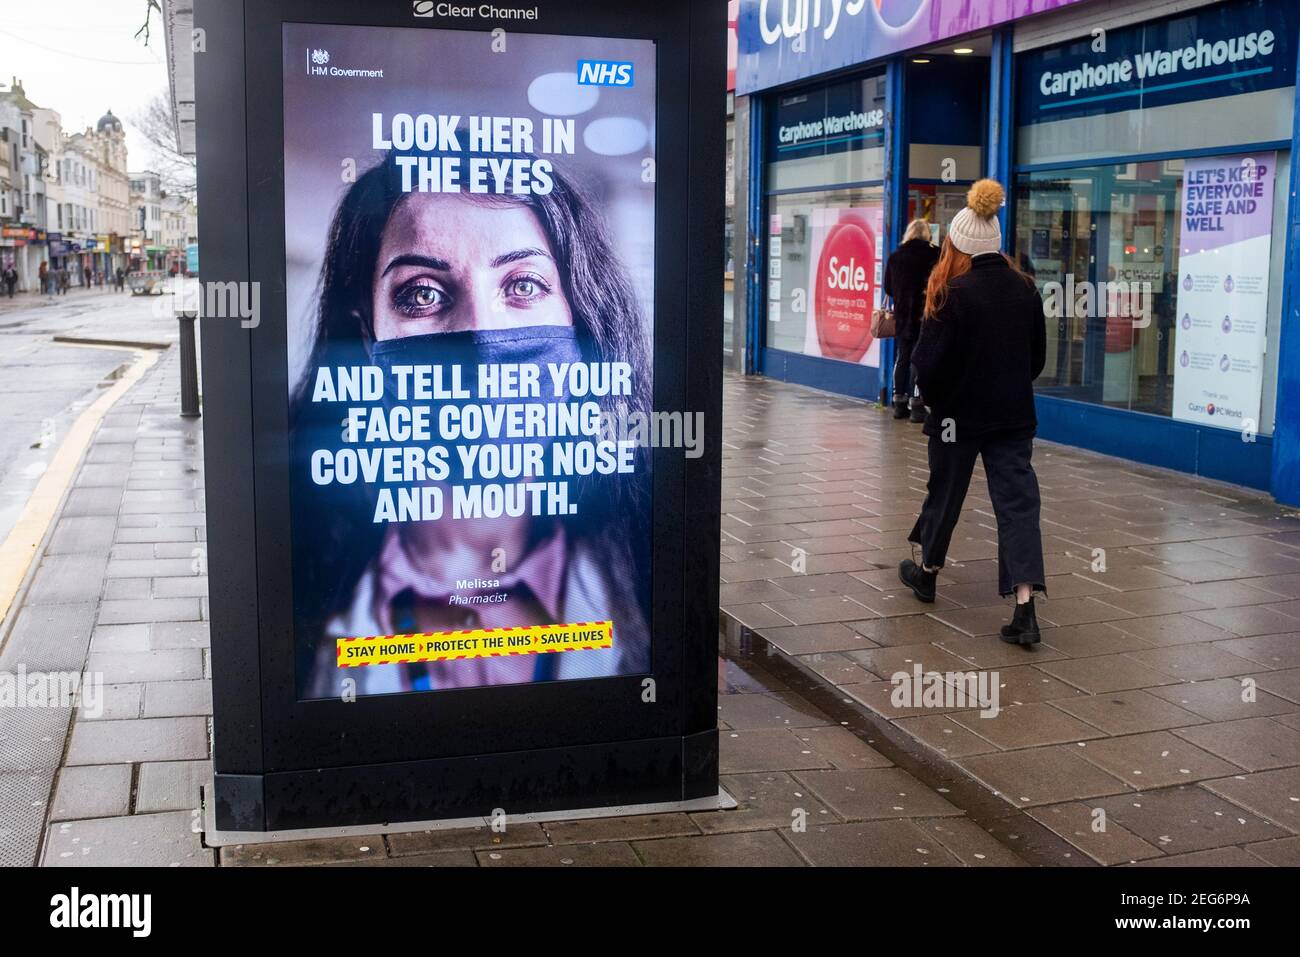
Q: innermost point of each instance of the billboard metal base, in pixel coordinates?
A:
(722, 801)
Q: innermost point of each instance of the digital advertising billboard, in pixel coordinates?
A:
(470, 293)
(467, 464)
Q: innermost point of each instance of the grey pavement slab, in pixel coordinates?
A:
(49, 637)
(739, 849)
(141, 739)
(91, 534)
(171, 785)
(129, 611)
(101, 790)
(64, 579)
(138, 840)
(168, 665)
(170, 699)
(23, 799)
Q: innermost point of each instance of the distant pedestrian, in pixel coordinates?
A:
(64, 282)
(121, 279)
(906, 274)
(11, 280)
(983, 343)
(43, 278)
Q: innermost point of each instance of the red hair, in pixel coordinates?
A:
(953, 263)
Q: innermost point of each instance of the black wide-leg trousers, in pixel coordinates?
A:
(1013, 490)
(904, 376)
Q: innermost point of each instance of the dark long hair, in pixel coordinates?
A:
(334, 537)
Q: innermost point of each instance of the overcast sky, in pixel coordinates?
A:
(80, 57)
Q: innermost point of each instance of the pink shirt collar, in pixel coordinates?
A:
(541, 572)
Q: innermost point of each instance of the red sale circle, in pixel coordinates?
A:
(846, 276)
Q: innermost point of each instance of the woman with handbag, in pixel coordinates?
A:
(906, 273)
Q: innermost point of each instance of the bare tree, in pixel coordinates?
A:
(154, 123)
(149, 7)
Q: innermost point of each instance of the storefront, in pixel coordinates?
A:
(1148, 165)
(23, 248)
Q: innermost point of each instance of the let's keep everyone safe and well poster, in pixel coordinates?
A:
(469, 232)
(1226, 238)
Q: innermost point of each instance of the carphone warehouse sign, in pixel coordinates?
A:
(1219, 51)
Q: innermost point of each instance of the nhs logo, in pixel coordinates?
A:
(604, 73)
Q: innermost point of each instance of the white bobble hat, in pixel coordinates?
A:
(976, 229)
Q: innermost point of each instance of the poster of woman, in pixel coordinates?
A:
(469, 247)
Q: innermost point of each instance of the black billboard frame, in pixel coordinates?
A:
(281, 763)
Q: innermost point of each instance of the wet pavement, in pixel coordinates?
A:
(1158, 722)
(122, 585)
(45, 384)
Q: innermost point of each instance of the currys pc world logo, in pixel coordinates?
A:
(793, 18)
(606, 73)
(1215, 411)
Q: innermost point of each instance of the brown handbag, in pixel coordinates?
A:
(882, 323)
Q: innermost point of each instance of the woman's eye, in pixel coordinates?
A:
(419, 297)
(526, 288)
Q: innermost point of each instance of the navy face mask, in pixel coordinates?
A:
(533, 345)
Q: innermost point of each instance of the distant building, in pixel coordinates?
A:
(162, 224)
(64, 199)
(22, 188)
(146, 246)
(180, 228)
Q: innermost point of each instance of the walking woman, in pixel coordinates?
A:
(906, 274)
(982, 345)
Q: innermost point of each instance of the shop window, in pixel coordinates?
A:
(1150, 206)
(825, 213)
(823, 272)
(1146, 314)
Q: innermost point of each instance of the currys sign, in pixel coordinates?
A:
(785, 40)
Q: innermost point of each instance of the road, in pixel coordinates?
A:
(44, 385)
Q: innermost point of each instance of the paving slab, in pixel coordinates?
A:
(742, 849)
(140, 840)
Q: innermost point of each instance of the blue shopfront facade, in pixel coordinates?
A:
(1150, 184)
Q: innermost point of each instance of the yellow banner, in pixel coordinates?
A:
(480, 643)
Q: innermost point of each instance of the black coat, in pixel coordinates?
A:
(977, 358)
(906, 274)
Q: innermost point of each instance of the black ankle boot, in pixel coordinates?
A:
(1023, 629)
(918, 414)
(900, 409)
(918, 579)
